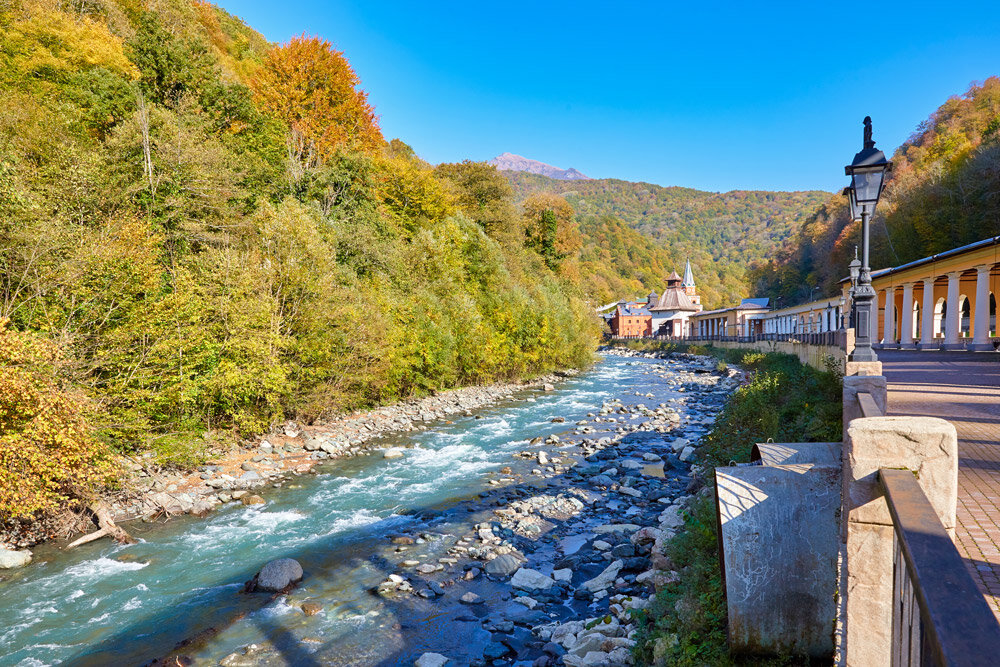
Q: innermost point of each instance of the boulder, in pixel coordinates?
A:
(276, 576)
(394, 453)
(10, 559)
(431, 660)
(605, 578)
(250, 478)
(645, 535)
(548, 387)
(530, 580)
(687, 454)
(503, 566)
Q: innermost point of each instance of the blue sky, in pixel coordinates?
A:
(712, 95)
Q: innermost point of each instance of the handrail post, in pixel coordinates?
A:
(928, 447)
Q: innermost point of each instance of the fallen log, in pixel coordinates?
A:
(102, 513)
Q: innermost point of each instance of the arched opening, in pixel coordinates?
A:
(895, 324)
(965, 322)
(940, 315)
(993, 314)
(915, 321)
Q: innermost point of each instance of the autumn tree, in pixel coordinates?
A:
(312, 87)
(549, 227)
(484, 195)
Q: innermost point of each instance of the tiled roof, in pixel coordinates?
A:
(633, 310)
(674, 299)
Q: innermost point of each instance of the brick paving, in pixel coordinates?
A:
(963, 388)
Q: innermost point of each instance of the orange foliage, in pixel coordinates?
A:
(312, 87)
(568, 239)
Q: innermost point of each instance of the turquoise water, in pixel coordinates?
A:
(110, 604)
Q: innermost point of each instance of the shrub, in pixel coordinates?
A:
(48, 454)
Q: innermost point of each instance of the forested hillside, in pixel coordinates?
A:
(721, 233)
(202, 233)
(942, 193)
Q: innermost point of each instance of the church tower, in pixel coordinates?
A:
(688, 284)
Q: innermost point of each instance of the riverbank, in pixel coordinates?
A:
(554, 563)
(272, 460)
(565, 483)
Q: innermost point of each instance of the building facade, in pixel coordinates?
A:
(672, 309)
(631, 320)
(745, 319)
(945, 301)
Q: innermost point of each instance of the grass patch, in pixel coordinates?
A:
(782, 399)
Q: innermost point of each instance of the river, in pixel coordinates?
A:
(108, 604)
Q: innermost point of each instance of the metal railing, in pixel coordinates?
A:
(831, 338)
(939, 616)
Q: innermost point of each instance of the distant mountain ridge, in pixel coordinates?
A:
(634, 234)
(511, 162)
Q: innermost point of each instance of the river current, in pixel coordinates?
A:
(108, 604)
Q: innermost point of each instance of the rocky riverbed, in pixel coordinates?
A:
(524, 537)
(574, 553)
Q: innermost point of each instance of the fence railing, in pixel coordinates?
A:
(868, 406)
(831, 338)
(939, 616)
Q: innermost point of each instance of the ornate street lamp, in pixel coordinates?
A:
(867, 173)
(855, 270)
(843, 302)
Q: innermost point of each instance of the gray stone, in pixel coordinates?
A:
(565, 574)
(687, 454)
(277, 575)
(503, 566)
(394, 453)
(471, 598)
(431, 660)
(530, 580)
(528, 602)
(10, 559)
(604, 579)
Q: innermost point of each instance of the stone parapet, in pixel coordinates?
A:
(928, 447)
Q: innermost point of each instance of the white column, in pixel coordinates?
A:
(981, 329)
(953, 313)
(906, 317)
(927, 315)
(889, 317)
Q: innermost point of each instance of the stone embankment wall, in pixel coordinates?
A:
(816, 356)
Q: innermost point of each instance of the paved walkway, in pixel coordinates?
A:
(963, 388)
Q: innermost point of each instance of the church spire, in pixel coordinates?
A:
(688, 275)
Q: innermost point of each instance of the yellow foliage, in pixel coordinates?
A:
(47, 452)
(412, 193)
(49, 43)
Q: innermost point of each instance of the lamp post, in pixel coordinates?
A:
(867, 173)
(843, 302)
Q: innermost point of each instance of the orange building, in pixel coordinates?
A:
(631, 320)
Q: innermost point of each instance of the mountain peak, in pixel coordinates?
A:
(511, 162)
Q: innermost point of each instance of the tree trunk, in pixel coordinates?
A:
(107, 527)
